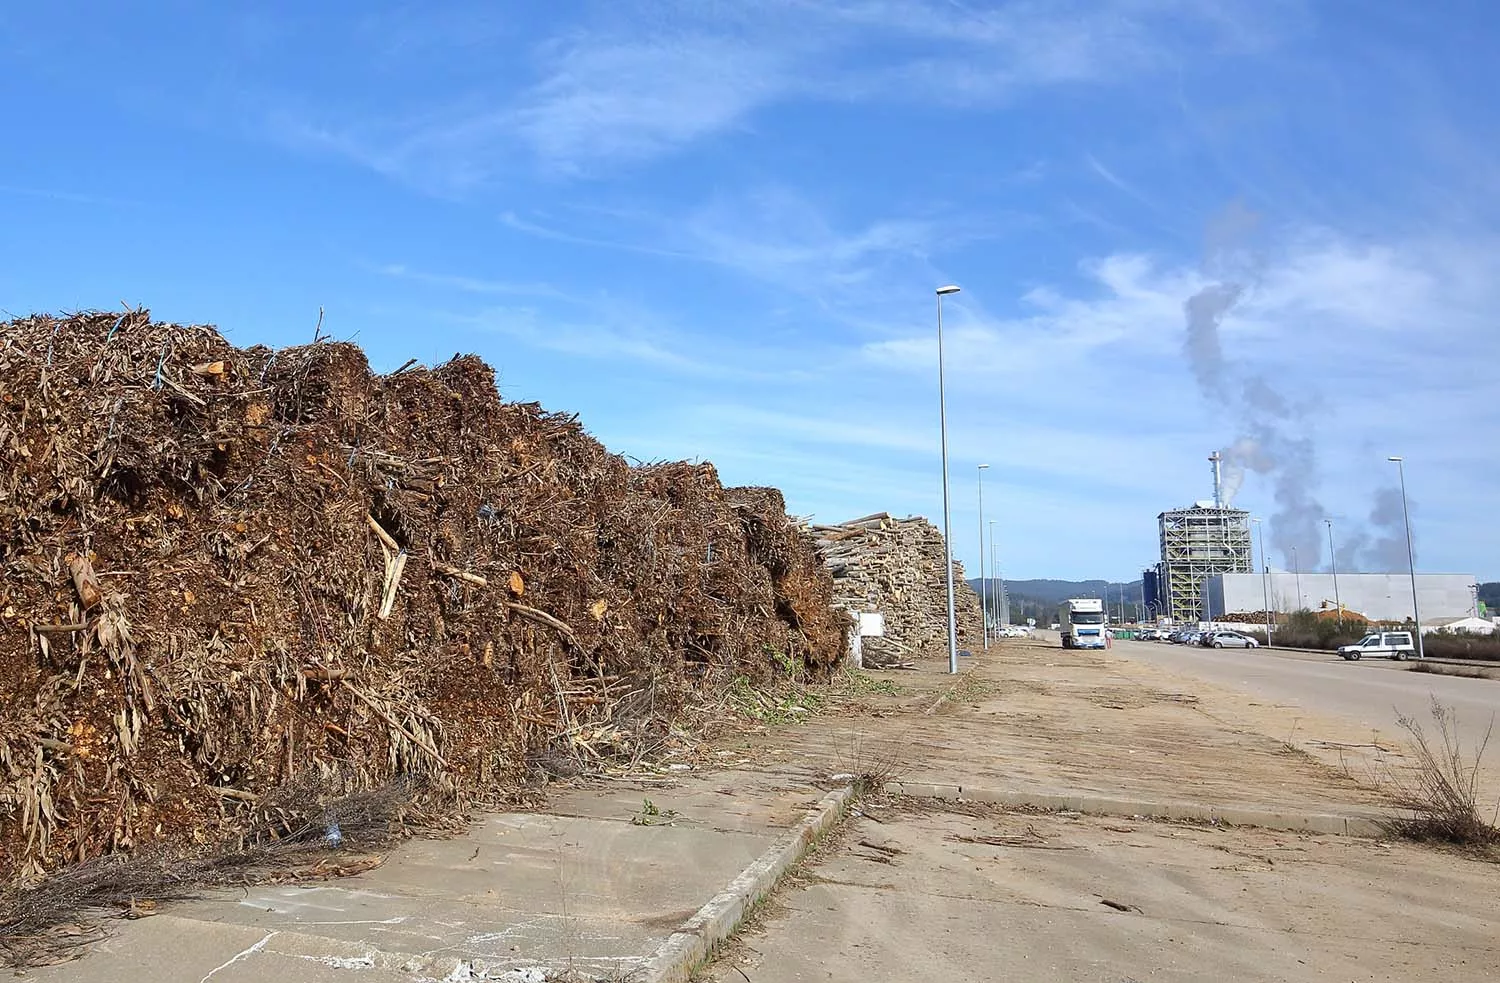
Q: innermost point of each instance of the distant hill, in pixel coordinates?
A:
(1039, 598)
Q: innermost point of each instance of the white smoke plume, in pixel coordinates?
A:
(1272, 441)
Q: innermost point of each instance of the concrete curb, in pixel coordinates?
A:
(688, 947)
(1130, 808)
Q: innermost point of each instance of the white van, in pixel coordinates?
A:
(1381, 644)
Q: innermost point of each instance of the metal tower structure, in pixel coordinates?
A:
(1197, 543)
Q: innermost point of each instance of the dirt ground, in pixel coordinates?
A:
(930, 890)
(915, 891)
(1037, 717)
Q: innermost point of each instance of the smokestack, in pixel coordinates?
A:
(1218, 459)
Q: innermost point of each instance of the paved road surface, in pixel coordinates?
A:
(1368, 693)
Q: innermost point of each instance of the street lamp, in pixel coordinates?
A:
(997, 599)
(984, 586)
(947, 516)
(1333, 562)
(1297, 572)
(1265, 590)
(1411, 555)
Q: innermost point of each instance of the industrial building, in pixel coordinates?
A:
(1377, 596)
(1196, 543)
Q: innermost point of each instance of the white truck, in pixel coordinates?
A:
(1081, 621)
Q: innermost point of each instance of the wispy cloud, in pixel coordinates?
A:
(785, 241)
(608, 339)
(642, 79)
(594, 325)
(555, 233)
(472, 285)
(1119, 183)
(625, 99)
(1319, 289)
(72, 197)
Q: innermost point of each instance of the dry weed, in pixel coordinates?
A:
(1440, 789)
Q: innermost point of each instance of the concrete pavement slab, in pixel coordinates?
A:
(596, 890)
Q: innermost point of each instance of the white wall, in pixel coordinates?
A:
(1381, 596)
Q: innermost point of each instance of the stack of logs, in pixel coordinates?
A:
(895, 566)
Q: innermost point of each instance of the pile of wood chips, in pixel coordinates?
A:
(226, 570)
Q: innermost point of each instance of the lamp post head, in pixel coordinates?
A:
(983, 467)
(949, 289)
(1394, 460)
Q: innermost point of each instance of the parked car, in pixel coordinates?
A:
(1396, 645)
(1230, 640)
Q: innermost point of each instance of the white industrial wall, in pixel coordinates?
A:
(1382, 596)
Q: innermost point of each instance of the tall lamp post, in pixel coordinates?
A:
(1265, 590)
(1411, 555)
(999, 598)
(984, 585)
(1297, 572)
(947, 515)
(1333, 563)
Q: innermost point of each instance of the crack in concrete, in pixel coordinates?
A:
(242, 954)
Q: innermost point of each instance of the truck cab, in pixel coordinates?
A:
(1381, 645)
(1082, 623)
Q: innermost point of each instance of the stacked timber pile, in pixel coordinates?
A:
(228, 572)
(1246, 618)
(895, 566)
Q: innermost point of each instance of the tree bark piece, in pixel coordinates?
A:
(85, 581)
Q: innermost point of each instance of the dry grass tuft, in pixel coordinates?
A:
(1441, 789)
(870, 765)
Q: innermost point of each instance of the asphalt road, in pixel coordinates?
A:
(1368, 692)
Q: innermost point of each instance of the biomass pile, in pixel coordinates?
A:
(232, 571)
(895, 566)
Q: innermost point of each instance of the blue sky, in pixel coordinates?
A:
(714, 229)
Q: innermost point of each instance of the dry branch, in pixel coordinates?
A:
(380, 711)
(385, 537)
(526, 611)
(457, 574)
